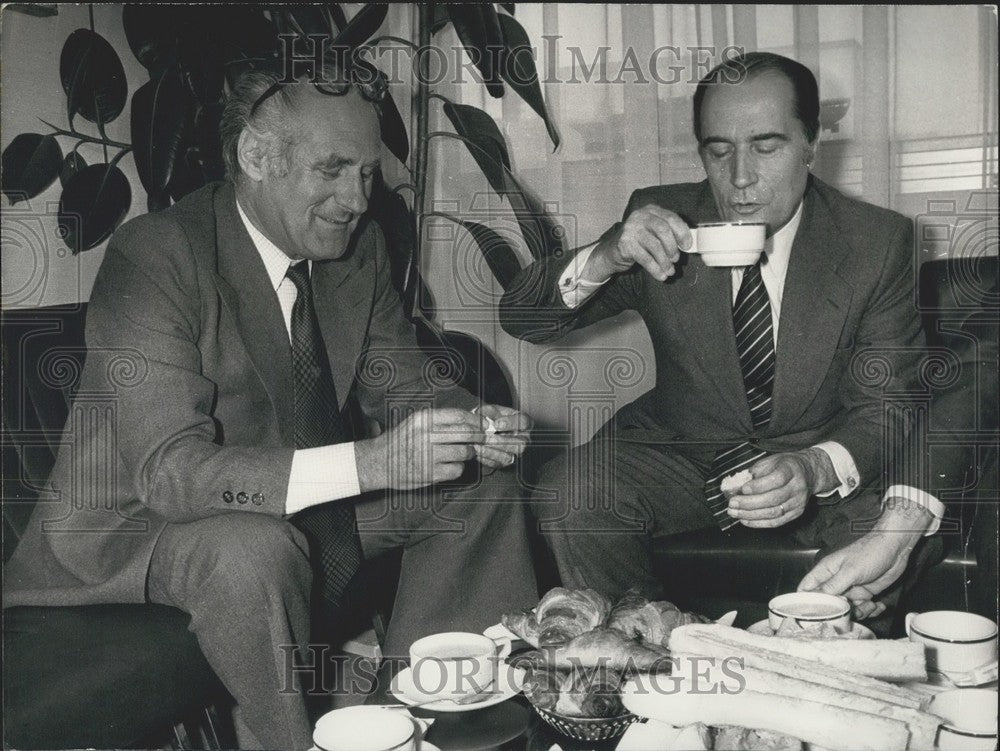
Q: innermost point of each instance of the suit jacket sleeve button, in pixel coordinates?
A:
(242, 497)
(257, 499)
(228, 496)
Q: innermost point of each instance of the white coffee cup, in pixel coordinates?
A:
(454, 663)
(970, 716)
(365, 728)
(728, 243)
(810, 608)
(956, 642)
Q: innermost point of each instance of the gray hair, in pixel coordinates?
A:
(271, 119)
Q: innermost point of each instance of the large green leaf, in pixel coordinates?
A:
(486, 142)
(302, 19)
(152, 31)
(92, 77)
(245, 37)
(543, 236)
(362, 26)
(518, 70)
(93, 202)
(439, 17)
(161, 116)
(72, 164)
(478, 28)
(467, 360)
(337, 18)
(393, 129)
(200, 65)
(30, 164)
(499, 254)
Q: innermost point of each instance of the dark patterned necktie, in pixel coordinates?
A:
(755, 344)
(330, 527)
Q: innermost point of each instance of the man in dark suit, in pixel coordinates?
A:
(783, 369)
(211, 463)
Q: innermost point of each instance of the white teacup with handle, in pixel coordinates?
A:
(728, 243)
(956, 642)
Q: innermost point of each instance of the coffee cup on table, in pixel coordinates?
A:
(810, 609)
(728, 243)
(970, 719)
(365, 728)
(453, 664)
(956, 642)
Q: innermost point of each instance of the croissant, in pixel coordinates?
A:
(609, 648)
(652, 622)
(564, 614)
(523, 624)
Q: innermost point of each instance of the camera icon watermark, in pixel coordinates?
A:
(33, 237)
(968, 235)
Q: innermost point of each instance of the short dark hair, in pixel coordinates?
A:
(750, 64)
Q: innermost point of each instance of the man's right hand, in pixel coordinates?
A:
(429, 446)
(650, 236)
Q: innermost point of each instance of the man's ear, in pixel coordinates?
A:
(252, 155)
(809, 156)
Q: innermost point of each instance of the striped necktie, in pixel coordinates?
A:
(330, 527)
(755, 344)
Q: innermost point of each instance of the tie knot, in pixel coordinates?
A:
(298, 273)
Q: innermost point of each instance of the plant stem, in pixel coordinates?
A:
(421, 106)
(444, 215)
(390, 38)
(88, 139)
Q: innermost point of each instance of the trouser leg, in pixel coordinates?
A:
(466, 558)
(599, 507)
(245, 580)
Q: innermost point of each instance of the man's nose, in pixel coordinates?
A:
(352, 196)
(744, 169)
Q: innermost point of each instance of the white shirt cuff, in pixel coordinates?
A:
(574, 290)
(844, 467)
(324, 473)
(919, 498)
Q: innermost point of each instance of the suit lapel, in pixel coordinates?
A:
(246, 290)
(343, 309)
(702, 297)
(814, 306)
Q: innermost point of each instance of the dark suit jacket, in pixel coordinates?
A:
(849, 332)
(185, 407)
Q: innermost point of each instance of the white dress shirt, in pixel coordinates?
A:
(774, 269)
(324, 473)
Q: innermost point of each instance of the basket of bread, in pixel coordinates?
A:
(585, 647)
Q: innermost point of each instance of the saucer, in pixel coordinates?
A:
(763, 628)
(508, 684)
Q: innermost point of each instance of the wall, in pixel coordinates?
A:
(37, 268)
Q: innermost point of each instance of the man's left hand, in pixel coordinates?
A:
(861, 571)
(871, 564)
(507, 443)
(781, 486)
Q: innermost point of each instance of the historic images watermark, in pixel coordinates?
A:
(435, 64)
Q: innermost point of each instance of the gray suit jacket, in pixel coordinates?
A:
(185, 407)
(849, 334)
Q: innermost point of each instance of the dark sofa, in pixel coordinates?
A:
(132, 675)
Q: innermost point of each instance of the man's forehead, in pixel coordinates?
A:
(767, 96)
(347, 121)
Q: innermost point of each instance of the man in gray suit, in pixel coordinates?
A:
(223, 475)
(781, 369)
